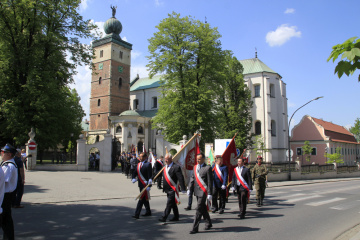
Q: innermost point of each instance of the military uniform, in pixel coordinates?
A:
(259, 173)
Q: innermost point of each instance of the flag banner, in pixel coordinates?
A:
(186, 157)
(211, 158)
(152, 159)
(229, 157)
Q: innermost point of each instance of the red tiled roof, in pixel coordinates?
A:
(338, 140)
(332, 127)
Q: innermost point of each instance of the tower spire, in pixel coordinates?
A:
(255, 53)
(205, 20)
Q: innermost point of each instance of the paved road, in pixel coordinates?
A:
(79, 205)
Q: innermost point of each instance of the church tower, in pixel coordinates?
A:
(110, 80)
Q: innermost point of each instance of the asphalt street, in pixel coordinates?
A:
(93, 205)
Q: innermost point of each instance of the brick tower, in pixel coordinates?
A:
(110, 80)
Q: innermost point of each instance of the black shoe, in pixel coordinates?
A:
(146, 214)
(194, 231)
(214, 211)
(242, 216)
(187, 208)
(159, 187)
(174, 219)
(221, 211)
(208, 227)
(135, 216)
(162, 219)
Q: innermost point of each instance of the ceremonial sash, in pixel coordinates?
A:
(201, 184)
(242, 181)
(172, 185)
(146, 194)
(160, 163)
(219, 173)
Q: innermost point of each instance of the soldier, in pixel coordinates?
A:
(220, 180)
(259, 173)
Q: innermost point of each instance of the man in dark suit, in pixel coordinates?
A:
(220, 181)
(172, 176)
(144, 174)
(159, 164)
(242, 182)
(201, 183)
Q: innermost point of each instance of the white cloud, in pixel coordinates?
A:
(124, 38)
(83, 5)
(281, 35)
(135, 54)
(100, 26)
(158, 3)
(289, 11)
(140, 69)
(291, 104)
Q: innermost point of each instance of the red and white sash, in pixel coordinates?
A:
(242, 181)
(201, 184)
(172, 184)
(146, 194)
(219, 173)
(160, 162)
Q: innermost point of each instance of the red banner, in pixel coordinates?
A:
(229, 157)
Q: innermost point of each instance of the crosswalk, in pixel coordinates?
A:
(316, 198)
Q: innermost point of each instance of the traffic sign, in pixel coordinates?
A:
(291, 153)
(32, 145)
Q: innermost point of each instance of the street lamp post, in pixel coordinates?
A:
(289, 153)
(71, 147)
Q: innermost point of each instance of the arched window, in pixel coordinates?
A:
(97, 138)
(120, 82)
(140, 130)
(118, 129)
(99, 80)
(273, 128)
(98, 102)
(257, 128)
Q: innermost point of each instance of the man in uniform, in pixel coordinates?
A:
(133, 163)
(201, 183)
(172, 177)
(11, 177)
(158, 166)
(242, 182)
(219, 189)
(144, 174)
(259, 173)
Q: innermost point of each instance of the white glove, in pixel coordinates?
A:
(223, 187)
(133, 180)
(150, 181)
(232, 189)
(209, 197)
(148, 189)
(188, 192)
(183, 192)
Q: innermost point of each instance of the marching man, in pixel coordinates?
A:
(242, 181)
(172, 177)
(220, 179)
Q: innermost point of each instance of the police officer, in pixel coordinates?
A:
(259, 173)
(11, 177)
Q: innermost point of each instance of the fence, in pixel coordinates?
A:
(56, 157)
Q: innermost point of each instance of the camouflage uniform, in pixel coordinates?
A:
(259, 173)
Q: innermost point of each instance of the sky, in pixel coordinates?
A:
(294, 38)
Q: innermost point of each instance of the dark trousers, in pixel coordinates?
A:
(242, 197)
(201, 211)
(171, 204)
(218, 193)
(159, 180)
(17, 194)
(7, 221)
(140, 204)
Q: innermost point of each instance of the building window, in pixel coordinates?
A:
(257, 90)
(120, 82)
(121, 55)
(101, 53)
(313, 151)
(97, 138)
(135, 104)
(154, 102)
(101, 66)
(272, 90)
(273, 128)
(98, 102)
(299, 151)
(331, 150)
(118, 129)
(257, 128)
(99, 80)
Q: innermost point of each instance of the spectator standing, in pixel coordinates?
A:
(18, 193)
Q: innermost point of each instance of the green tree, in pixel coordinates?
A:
(259, 146)
(350, 50)
(39, 51)
(356, 129)
(188, 53)
(335, 157)
(307, 149)
(235, 99)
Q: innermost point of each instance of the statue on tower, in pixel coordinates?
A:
(113, 8)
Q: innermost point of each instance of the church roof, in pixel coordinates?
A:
(148, 113)
(255, 65)
(145, 83)
(129, 113)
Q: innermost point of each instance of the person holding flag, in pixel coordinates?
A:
(144, 174)
(220, 181)
(201, 183)
(172, 178)
(242, 182)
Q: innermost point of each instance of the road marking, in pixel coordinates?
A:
(274, 193)
(346, 206)
(336, 190)
(293, 195)
(325, 202)
(302, 198)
